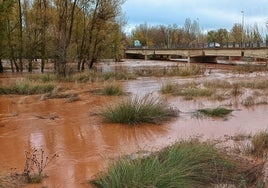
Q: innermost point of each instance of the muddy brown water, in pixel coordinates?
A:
(85, 145)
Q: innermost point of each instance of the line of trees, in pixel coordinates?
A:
(190, 34)
(61, 31)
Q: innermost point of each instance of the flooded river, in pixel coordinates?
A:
(85, 144)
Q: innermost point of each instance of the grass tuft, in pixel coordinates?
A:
(112, 90)
(168, 88)
(184, 164)
(147, 109)
(259, 144)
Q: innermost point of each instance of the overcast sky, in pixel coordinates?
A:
(211, 14)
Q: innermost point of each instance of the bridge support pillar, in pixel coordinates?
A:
(188, 59)
(145, 57)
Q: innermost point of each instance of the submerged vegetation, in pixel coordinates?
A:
(184, 164)
(135, 110)
(214, 112)
(248, 92)
(187, 70)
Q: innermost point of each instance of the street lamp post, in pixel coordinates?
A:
(242, 27)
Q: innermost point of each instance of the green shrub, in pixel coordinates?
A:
(137, 110)
(184, 164)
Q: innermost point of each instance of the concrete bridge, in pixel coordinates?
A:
(199, 54)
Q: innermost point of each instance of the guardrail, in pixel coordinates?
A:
(206, 45)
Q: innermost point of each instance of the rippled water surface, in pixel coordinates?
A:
(85, 144)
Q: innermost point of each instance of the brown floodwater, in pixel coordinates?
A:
(85, 145)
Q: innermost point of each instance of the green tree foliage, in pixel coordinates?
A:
(219, 36)
(167, 36)
(190, 35)
(5, 11)
(62, 31)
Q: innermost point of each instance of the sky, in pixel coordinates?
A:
(211, 14)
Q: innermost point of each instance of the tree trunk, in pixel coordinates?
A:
(20, 38)
(16, 65)
(1, 66)
(11, 65)
(30, 65)
(83, 65)
(42, 65)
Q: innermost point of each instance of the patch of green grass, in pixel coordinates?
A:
(194, 92)
(215, 112)
(184, 164)
(135, 110)
(26, 88)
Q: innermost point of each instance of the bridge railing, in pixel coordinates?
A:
(206, 45)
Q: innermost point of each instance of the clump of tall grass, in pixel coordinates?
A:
(26, 88)
(189, 93)
(189, 70)
(259, 143)
(137, 110)
(184, 164)
(217, 84)
(255, 84)
(88, 76)
(168, 88)
(215, 112)
(42, 77)
(112, 89)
